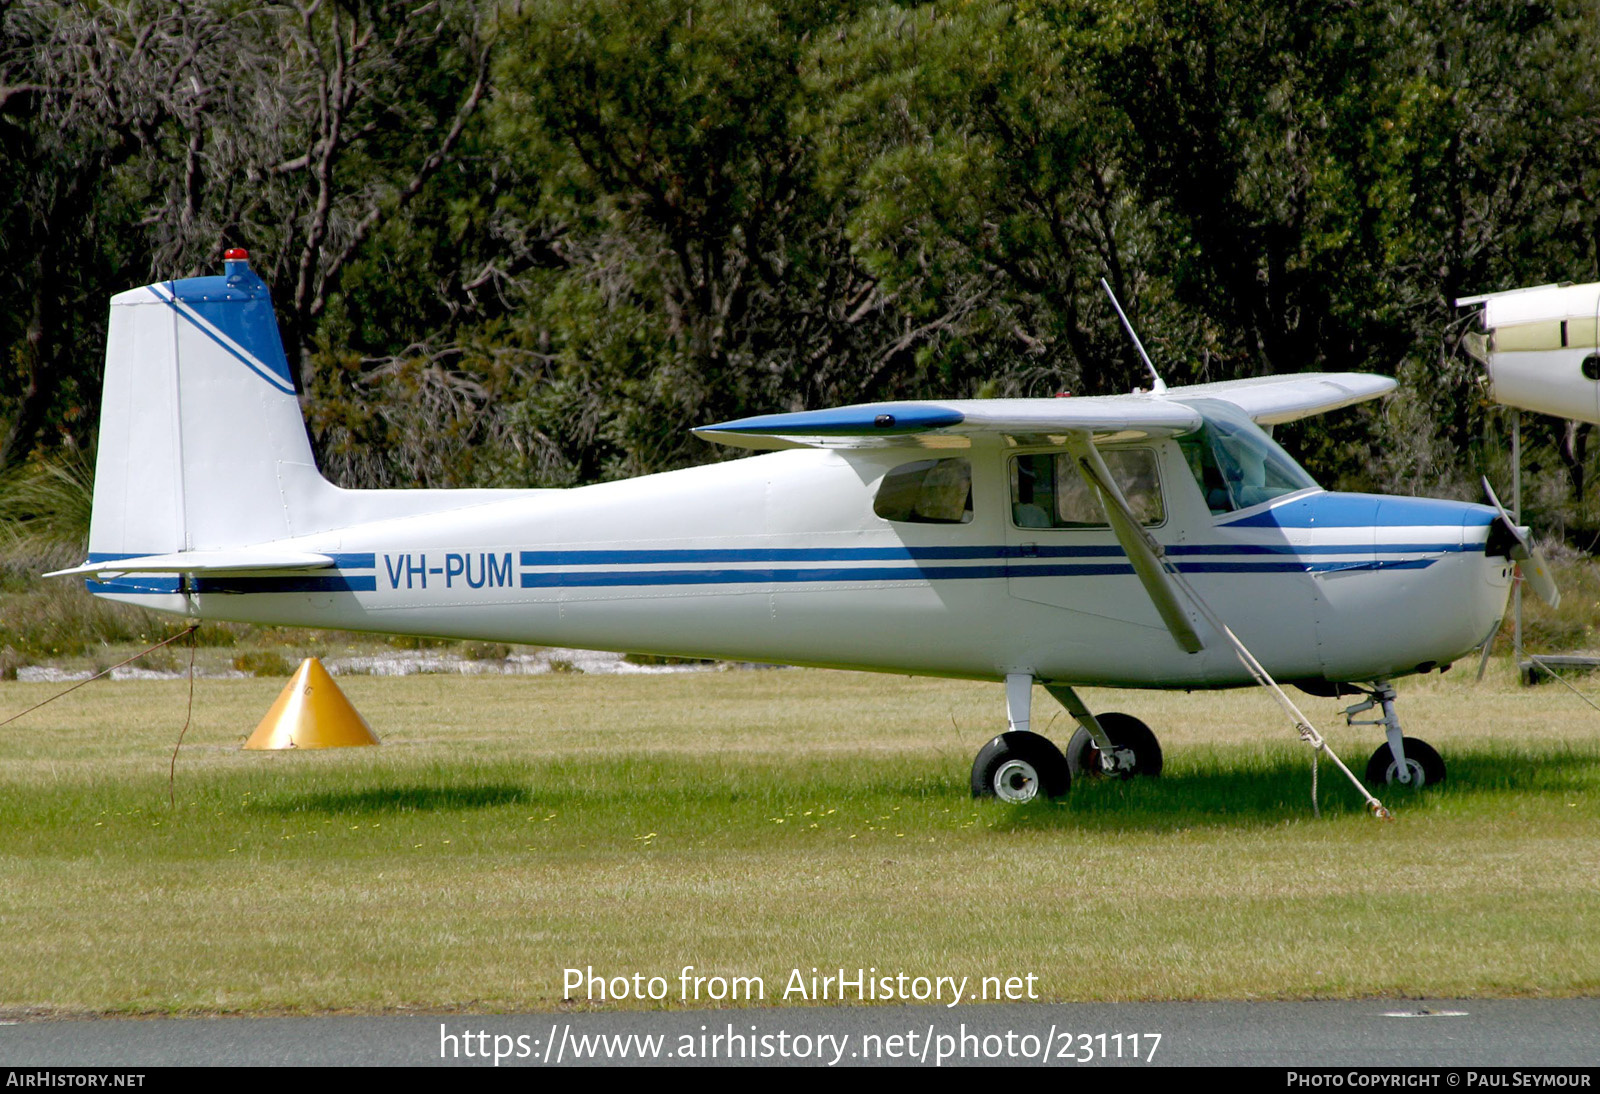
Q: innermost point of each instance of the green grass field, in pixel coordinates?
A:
(749, 823)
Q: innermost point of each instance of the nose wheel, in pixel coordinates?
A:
(1423, 767)
(1400, 761)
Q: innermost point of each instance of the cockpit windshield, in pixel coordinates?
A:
(1236, 464)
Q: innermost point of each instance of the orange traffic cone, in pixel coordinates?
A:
(311, 712)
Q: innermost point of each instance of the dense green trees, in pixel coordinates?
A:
(537, 241)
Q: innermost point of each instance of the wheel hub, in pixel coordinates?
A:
(1123, 763)
(1412, 775)
(1016, 781)
(1119, 763)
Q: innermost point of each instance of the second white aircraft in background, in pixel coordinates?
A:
(1540, 347)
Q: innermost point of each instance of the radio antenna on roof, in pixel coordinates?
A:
(1158, 385)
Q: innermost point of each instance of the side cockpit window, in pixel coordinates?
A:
(927, 492)
(1048, 492)
(1235, 464)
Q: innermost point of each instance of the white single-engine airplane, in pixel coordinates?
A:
(1540, 348)
(1065, 542)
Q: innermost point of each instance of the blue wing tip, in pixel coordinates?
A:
(873, 419)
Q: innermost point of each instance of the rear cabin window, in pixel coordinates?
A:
(927, 492)
(1048, 492)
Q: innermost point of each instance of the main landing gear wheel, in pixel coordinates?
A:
(1426, 768)
(1125, 731)
(1018, 767)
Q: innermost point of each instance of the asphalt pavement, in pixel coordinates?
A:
(1372, 1033)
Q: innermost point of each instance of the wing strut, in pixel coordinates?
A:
(1140, 546)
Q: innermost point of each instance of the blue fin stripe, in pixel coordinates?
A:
(255, 366)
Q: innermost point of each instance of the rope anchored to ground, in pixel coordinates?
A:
(188, 632)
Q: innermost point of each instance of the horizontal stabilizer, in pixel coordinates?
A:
(202, 562)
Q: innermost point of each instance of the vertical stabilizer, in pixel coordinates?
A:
(200, 427)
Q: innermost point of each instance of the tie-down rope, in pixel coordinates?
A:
(1302, 724)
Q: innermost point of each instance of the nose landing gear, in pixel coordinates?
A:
(1401, 760)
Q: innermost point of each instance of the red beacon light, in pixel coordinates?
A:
(236, 254)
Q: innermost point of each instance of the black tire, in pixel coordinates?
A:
(1420, 758)
(1125, 731)
(1018, 767)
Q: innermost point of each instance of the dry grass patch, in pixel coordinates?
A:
(750, 823)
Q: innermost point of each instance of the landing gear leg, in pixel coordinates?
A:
(1401, 760)
(1111, 744)
(1020, 765)
(1019, 701)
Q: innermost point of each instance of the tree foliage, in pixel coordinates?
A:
(536, 242)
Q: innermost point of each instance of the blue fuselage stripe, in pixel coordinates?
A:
(553, 569)
(913, 554)
(334, 584)
(354, 561)
(1336, 510)
(150, 585)
(573, 579)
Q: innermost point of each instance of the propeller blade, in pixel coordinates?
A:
(1523, 548)
(1488, 644)
(1531, 563)
(1536, 572)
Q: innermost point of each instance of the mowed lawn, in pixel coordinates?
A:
(749, 823)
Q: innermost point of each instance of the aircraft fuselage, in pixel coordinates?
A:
(783, 558)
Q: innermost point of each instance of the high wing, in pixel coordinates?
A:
(1078, 423)
(1268, 400)
(1273, 400)
(950, 423)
